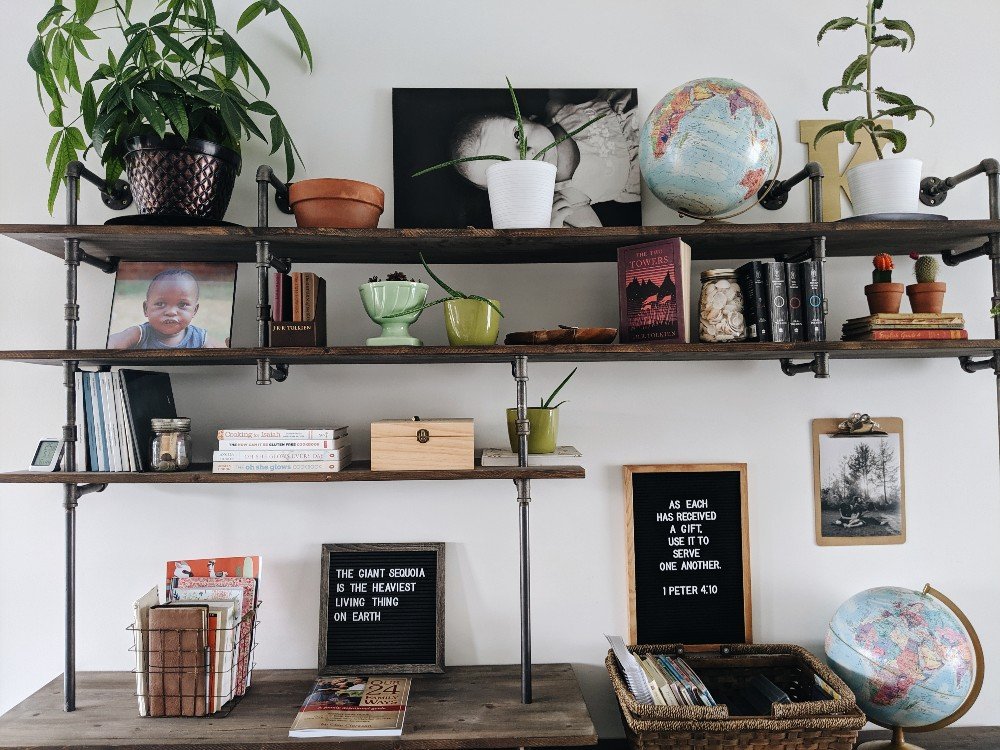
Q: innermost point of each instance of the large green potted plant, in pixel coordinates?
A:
(884, 186)
(170, 106)
(543, 421)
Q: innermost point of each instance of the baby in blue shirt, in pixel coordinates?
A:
(170, 305)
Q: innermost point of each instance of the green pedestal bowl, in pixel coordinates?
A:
(384, 298)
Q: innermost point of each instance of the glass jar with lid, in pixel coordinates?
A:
(171, 448)
(721, 308)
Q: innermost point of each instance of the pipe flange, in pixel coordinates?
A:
(933, 191)
(771, 195)
(118, 196)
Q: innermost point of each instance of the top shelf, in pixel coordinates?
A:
(710, 241)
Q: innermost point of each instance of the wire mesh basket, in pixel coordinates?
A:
(199, 669)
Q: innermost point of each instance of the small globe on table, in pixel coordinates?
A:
(912, 659)
(707, 148)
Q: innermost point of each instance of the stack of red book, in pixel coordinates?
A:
(906, 327)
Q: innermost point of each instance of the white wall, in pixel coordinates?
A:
(619, 413)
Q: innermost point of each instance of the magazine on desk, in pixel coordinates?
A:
(353, 706)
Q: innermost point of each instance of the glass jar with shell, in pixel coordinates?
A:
(722, 318)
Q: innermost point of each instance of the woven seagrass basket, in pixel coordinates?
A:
(808, 725)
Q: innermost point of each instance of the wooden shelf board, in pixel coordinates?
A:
(359, 471)
(561, 353)
(709, 240)
(466, 707)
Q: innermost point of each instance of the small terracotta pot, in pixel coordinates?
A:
(341, 204)
(926, 297)
(884, 297)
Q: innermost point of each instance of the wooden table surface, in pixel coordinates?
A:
(466, 707)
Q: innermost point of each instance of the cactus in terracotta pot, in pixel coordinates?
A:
(883, 268)
(883, 295)
(927, 295)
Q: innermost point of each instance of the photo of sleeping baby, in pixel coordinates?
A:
(597, 177)
(172, 306)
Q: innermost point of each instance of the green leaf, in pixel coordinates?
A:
(36, 57)
(56, 136)
(88, 107)
(888, 40)
(522, 141)
(80, 31)
(277, 133)
(72, 72)
(837, 24)
(909, 111)
(174, 109)
(85, 9)
(851, 128)
(855, 69)
(437, 280)
(231, 50)
(453, 162)
(899, 25)
(253, 10)
(133, 47)
(259, 73)
(289, 158)
(64, 155)
(159, 18)
(487, 301)
(52, 14)
(299, 34)
(174, 45)
(551, 398)
(150, 111)
(891, 97)
(55, 118)
(75, 138)
(262, 108)
(231, 118)
(249, 124)
(828, 94)
(836, 127)
(568, 135)
(896, 137)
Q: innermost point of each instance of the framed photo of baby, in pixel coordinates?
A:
(597, 178)
(859, 491)
(172, 306)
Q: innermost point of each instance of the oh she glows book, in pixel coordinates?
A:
(353, 706)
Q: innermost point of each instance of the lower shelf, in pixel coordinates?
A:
(359, 471)
(466, 707)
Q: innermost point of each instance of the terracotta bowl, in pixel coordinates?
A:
(342, 204)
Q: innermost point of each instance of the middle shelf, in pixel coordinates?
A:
(359, 471)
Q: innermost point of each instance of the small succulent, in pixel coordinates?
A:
(883, 268)
(546, 403)
(925, 268)
(394, 276)
(452, 294)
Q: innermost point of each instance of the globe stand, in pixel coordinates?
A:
(898, 742)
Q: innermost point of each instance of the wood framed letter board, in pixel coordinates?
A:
(688, 554)
(382, 608)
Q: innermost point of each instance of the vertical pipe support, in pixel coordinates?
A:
(520, 372)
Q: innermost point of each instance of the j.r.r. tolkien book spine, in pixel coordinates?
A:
(796, 323)
(282, 434)
(814, 314)
(751, 280)
(281, 304)
(282, 455)
(777, 300)
(297, 296)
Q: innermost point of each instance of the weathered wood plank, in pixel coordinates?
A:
(466, 707)
(709, 240)
(359, 471)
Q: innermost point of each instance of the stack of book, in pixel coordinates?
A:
(267, 451)
(906, 327)
(564, 454)
(114, 410)
(298, 309)
(193, 653)
(673, 683)
(783, 302)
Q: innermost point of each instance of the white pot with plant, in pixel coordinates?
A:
(883, 186)
(521, 185)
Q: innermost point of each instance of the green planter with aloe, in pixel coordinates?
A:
(543, 421)
(470, 320)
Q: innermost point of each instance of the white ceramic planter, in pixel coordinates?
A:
(885, 186)
(521, 193)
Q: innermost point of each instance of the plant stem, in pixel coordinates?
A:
(869, 31)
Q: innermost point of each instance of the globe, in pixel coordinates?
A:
(908, 656)
(708, 146)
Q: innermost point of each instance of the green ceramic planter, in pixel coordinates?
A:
(471, 322)
(382, 298)
(544, 429)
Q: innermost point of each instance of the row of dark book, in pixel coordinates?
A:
(783, 302)
(114, 409)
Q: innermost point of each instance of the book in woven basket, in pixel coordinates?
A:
(830, 724)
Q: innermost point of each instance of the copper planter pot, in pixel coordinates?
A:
(330, 202)
(171, 177)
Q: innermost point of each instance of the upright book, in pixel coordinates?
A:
(147, 395)
(653, 292)
(178, 664)
(751, 280)
(796, 323)
(776, 284)
(353, 706)
(813, 298)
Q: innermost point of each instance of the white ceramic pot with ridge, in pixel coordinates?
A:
(521, 193)
(886, 186)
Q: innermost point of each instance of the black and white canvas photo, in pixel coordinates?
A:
(597, 177)
(861, 493)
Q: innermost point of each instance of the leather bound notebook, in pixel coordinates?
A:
(178, 653)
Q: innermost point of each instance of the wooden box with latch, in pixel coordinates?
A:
(422, 444)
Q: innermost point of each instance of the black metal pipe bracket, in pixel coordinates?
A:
(970, 365)
(819, 366)
(773, 194)
(86, 489)
(116, 195)
(934, 191)
(951, 258)
(265, 177)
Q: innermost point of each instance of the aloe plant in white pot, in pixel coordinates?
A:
(883, 186)
(521, 184)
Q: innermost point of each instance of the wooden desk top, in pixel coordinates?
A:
(466, 707)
